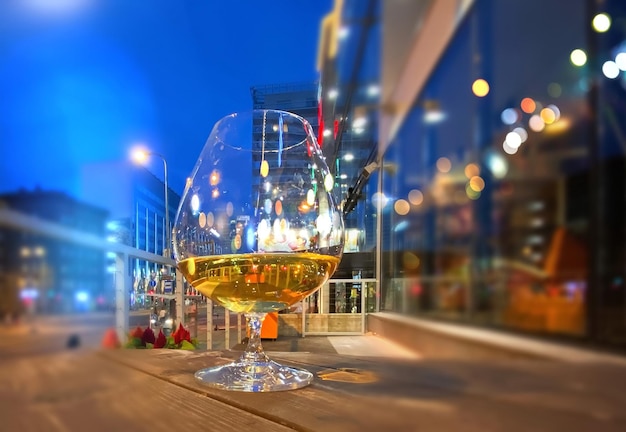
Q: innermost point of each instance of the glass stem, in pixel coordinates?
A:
(254, 351)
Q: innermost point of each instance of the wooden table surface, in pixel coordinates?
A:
(154, 390)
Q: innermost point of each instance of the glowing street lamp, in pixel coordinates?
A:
(141, 156)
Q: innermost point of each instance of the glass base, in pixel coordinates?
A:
(259, 376)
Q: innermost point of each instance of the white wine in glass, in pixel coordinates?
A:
(257, 230)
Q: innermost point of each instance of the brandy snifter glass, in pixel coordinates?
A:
(257, 230)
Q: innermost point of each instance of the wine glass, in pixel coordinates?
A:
(257, 230)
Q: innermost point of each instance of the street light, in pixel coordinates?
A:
(140, 156)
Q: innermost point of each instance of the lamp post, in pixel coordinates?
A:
(141, 156)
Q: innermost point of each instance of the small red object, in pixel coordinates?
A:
(160, 340)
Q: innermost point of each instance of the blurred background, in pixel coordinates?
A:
(478, 150)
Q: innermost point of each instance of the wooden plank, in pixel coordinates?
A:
(86, 392)
(373, 394)
(310, 408)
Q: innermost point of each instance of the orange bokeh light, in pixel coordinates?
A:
(528, 105)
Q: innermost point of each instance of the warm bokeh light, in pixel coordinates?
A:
(578, 57)
(471, 170)
(528, 105)
(480, 87)
(477, 183)
(601, 22)
(214, 178)
(548, 116)
(556, 110)
(558, 127)
(401, 207)
(536, 123)
(416, 197)
(202, 219)
(265, 169)
(410, 260)
(444, 165)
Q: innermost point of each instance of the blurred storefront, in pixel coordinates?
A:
(481, 147)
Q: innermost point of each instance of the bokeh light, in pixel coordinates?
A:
(620, 61)
(401, 207)
(528, 105)
(509, 116)
(556, 110)
(610, 69)
(329, 182)
(310, 197)
(480, 87)
(477, 183)
(548, 116)
(513, 139)
(508, 149)
(265, 169)
(522, 133)
(416, 197)
(497, 164)
(471, 193)
(444, 165)
(379, 200)
(578, 57)
(471, 170)
(601, 22)
(536, 123)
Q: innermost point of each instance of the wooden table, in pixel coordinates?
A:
(154, 390)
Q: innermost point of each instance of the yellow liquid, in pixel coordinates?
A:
(264, 282)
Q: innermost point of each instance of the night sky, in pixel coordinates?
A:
(85, 80)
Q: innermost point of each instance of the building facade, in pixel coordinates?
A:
(498, 184)
(41, 274)
(136, 200)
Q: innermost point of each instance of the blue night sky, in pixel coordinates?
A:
(84, 80)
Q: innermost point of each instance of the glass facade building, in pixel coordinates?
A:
(497, 189)
(136, 200)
